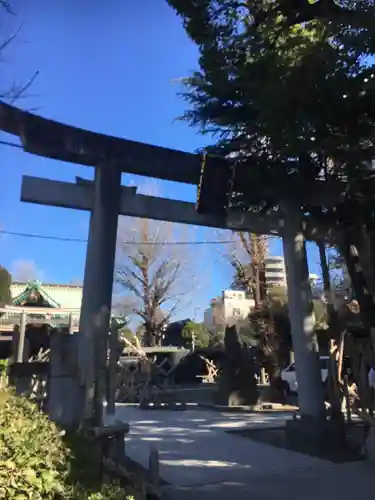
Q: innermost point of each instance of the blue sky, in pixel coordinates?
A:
(107, 67)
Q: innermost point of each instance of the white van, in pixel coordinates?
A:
(289, 375)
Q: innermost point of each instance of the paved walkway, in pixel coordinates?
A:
(197, 456)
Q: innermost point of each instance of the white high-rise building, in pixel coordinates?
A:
(275, 271)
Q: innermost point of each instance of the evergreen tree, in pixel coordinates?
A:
(5, 283)
(287, 90)
(290, 100)
(196, 333)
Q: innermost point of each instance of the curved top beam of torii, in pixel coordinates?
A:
(52, 139)
(55, 140)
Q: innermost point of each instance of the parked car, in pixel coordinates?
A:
(289, 375)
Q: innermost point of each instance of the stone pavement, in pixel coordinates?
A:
(198, 457)
(340, 482)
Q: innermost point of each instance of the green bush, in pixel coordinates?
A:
(111, 491)
(35, 459)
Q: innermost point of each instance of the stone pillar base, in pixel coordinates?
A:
(65, 398)
(316, 434)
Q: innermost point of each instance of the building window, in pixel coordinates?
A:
(275, 270)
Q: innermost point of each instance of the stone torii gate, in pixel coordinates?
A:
(105, 198)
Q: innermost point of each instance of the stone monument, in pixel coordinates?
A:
(237, 384)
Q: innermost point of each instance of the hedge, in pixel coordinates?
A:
(35, 461)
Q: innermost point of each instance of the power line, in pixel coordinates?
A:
(43, 236)
(12, 144)
(82, 240)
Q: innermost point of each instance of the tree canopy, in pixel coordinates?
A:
(126, 333)
(288, 87)
(196, 333)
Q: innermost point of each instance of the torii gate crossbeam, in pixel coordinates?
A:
(79, 197)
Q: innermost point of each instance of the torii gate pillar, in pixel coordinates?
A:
(305, 345)
(97, 290)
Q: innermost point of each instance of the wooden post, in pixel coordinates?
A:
(112, 369)
(101, 328)
(262, 376)
(154, 469)
(347, 399)
(71, 323)
(193, 341)
(333, 382)
(21, 339)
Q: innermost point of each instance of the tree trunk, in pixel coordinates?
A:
(351, 250)
(368, 262)
(276, 393)
(149, 337)
(358, 256)
(333, 318)
(270, 349)
(325, 271)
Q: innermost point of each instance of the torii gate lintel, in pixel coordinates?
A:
(79, 196)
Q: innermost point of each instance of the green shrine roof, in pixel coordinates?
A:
(32, 294)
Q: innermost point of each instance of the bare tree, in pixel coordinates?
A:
(248, 259)
(123, 305)
(154, 270)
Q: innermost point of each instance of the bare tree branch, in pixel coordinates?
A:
(17, 93)
(14, 92)
(4, 4)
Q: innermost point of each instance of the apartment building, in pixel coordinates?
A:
(231, 306)
(275, 271)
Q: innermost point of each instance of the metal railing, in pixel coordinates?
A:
(57, 317)
(16, 319)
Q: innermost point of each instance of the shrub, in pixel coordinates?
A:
(35, 460)
(111, 491)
